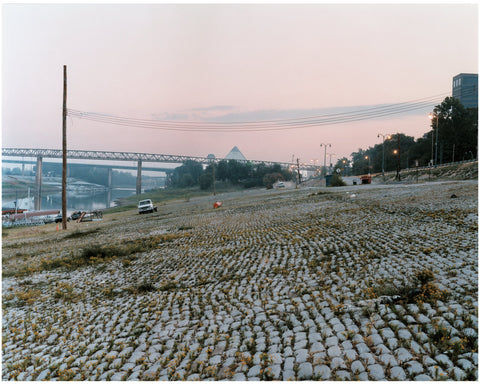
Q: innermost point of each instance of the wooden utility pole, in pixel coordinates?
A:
(213, 164)
(64, 148)
(298, 170)
(398, 157)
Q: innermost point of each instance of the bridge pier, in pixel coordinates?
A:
(109, 180)
(139, 177)
(38, 184)
(109, 191)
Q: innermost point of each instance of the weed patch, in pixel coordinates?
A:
(144, 287)
(97, 253)
(421, 289)
(20, 298)
(66, 292)
(78, 234)
(170, 286)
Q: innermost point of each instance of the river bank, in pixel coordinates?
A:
(372, 282)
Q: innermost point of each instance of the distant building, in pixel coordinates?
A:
(465, 89)
(235, 154)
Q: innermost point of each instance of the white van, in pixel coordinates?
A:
(146, 206)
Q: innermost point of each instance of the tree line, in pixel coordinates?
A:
(244, 174)
(90, 174)
(453, 137)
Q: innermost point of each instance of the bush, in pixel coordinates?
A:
(271, 178)
(251, 183)
(337, 181)
(206, 181)
(99, 252)
(423, 277)
(146, 286)
(421, 289)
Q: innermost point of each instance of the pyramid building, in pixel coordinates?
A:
(235, 154)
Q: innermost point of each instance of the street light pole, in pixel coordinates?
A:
(330, 154)
(436, 144)
(398, 157)
(432, 116)
(368, 158)
(325, 156)
(383, 151)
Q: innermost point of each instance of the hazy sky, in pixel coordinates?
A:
(221, 62)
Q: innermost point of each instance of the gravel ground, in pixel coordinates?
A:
(367, 282)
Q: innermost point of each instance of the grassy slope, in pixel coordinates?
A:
(162, 196)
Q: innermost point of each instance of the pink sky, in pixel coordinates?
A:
(183, 61)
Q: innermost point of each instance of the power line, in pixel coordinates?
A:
(261, 125)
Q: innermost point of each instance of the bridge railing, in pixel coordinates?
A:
(121, 156)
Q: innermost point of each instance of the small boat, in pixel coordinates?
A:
(30, 214)
(10, 210)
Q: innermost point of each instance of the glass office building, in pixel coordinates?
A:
(465, 88)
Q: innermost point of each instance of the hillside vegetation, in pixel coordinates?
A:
(461, 171)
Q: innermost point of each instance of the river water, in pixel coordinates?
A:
(85, 201)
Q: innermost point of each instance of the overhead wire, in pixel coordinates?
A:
(261, 125)
(246, 127)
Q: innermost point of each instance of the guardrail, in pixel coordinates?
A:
(428, 167)
(421, 168)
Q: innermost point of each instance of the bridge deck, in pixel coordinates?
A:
(120, 156)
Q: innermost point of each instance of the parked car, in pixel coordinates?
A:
(58, 218)
(49, 219)
(76, 215)
(146, 206)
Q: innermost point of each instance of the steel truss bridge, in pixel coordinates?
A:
(119, 156)
(140, 158)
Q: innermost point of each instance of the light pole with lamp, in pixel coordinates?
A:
(345, 167)
(432, 116)
(330, 161)
(383, 151)
(369, 166)
(314, 161)
(325, 156)
(398, 156)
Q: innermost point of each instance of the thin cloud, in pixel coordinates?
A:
(213, 108)
(170, 116)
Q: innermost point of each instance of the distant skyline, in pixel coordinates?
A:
(228, 62)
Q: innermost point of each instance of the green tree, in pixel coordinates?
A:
(372, 157)
(221, 170)
(422, 150)
(206, 180)
(359, 163)
(344, 165)
(457, 130)
(187, 175)
(271, 178)
(232, 171)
